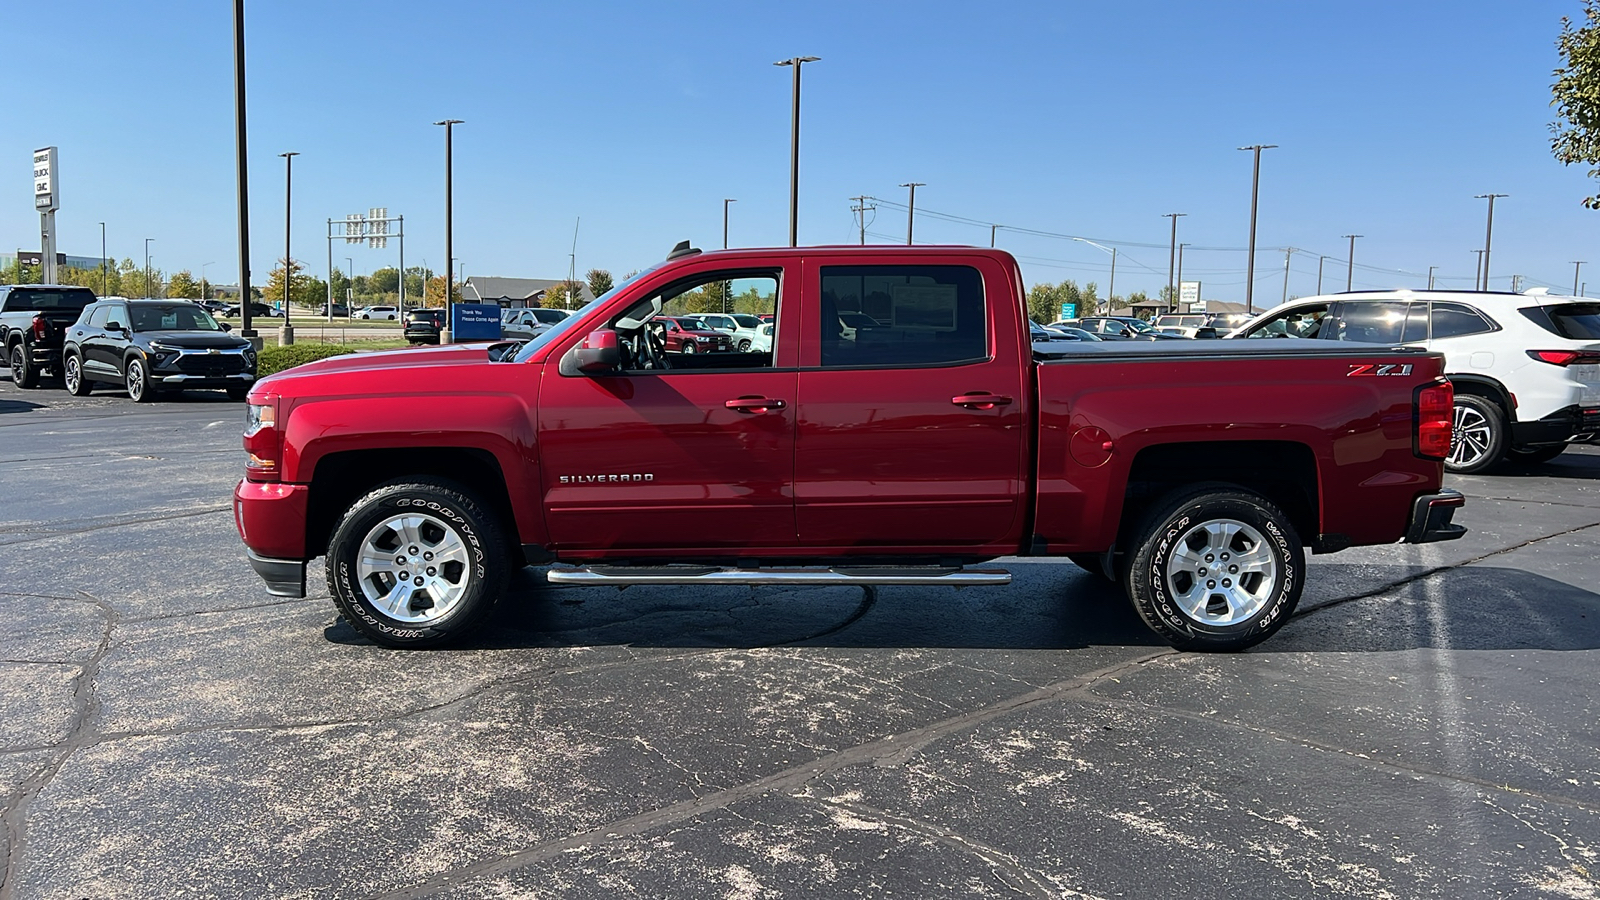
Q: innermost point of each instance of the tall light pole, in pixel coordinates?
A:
(245, 329)
(1288, 253)
(1488, 235)
(147, 266)
(203, 278)
(1250, 260)
(794, 148)
(449, 248)
(725, 202)
(911, 211)
(1350, 264)
(105, 274)
(1111, 286)
(992, 230)
(286, 332)
(1172, 258)
(1180, 272)
(1576, 265)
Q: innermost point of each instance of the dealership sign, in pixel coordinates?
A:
(46, 194)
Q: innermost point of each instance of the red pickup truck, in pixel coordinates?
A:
(924, 439)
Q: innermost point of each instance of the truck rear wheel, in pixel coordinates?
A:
(22, 371)
(417, 563)
(1216, 569)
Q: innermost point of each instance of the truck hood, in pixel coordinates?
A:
(391, 360)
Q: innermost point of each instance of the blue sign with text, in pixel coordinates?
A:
(1069, 310)
(474, 322)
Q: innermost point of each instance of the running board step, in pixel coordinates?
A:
(622, 576)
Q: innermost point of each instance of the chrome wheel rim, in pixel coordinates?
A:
(135, 379)
(414, 568)
(71, 375)
(1221, 572)
(1470, 436)
(16, 362)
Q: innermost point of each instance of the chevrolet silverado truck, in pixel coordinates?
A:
(907, 451)
(34, 319)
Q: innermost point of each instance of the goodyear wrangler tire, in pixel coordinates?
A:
(417, 563)
(1216, 569)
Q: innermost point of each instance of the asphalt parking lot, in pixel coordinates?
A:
(1425, 727)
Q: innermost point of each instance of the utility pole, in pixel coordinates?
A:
(911, 211)
(860, 209)
(1320, 261)
(794, 149)
(1250, 262)
(286, 331)
(992, 230)
(147, 266)
(1488, 236)
(1576, 265)
(1477, 275)
(1430, 276)
(1172, 258)
(105, 274)
(245, 329)
(1350, 264)
(1287, 253)
(725, 202)
(1516, 284)
(449, 248)
(1180, 274)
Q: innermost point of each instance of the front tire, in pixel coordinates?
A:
(22, 371)
(744, 346)
(1218, 569)
(140, 390)
(690, 349)
(72, 375)
(417, 563)
(1478, 438)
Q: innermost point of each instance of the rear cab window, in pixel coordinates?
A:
(38, 299)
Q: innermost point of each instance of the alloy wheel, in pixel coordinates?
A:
(1221, 572)
(1470, 437)
(414, 568)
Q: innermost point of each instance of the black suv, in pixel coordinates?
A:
(154, 346)
(423, 325)
(33, 318)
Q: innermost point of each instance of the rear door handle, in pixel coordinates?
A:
(754, 404)
(980, 400)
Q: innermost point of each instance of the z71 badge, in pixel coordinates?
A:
(1378, 369)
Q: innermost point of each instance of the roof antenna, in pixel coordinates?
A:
(682, 249)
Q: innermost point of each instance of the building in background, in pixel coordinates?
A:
(515, 293)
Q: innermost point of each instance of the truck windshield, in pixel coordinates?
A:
(39, 300)
(567, 324)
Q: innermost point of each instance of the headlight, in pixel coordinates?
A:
(249, 358)
(258, 416)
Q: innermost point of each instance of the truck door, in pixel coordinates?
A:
(695, 455)
(913, 405)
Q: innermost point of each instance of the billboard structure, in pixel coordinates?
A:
(372, 229)
(1189, 296)
(47, 199)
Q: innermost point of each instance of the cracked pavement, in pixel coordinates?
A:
(1425, 727)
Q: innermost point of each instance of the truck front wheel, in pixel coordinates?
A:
(417, 563)
(1217, 569)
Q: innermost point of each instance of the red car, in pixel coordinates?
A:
(908, 453)
(684, 335)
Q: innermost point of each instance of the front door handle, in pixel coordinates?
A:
(980, 400)
(754, 404)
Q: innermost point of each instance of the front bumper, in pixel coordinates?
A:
(1431, 515)
(242, 379)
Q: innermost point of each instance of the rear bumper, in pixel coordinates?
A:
(1557, 428)
(1431, 515)
(284, 577)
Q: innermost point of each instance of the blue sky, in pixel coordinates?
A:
(1088, 119)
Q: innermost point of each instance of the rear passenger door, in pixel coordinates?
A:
(911, 433)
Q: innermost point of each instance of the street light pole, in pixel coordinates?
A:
(1172, 258)
(105, 274)
(1488, 235)
(794, 148)
(1288, 253)
(1430, 276)
(147, 266)
(203, 279)
(449, 249)
(725, 202)
(1320, 261)
(1576, 265)
(286, 332)
(1250, 261)
(992, 230)
(1180, 276)
(245, 331)
(911, 211)
(1350, 264)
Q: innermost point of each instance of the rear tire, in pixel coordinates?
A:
(22, 371)
(449, 548)
(744, 346)
(1533, 456)
(72, 376)
(1478, 439)
(1216, 569)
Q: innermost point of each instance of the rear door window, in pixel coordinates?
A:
(1300, 322)
(902, 316)
(1458, 320)
(1416, 324)
(1372, 323)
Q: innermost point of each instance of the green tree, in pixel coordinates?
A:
(1089, 302)
(599, 281)
(183, 286)
(435, 292)
(1576, 95)
(416, 280)
(385, 280)
(304, 289)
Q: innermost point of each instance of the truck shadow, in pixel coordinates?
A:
(16, 406)
(1051, 607)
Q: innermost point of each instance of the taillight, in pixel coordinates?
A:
(1564, 357)
(1435, 419)
(263, 441)
(41, 328)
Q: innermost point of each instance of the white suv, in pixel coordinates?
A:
(1526, 367)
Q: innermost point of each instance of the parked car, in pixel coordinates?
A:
(340, 310)
(423, 325)
(522, 324)
(763, 341)
(1526, 367)
(1123, 327)
(214, 307)
(257, 310)
(684, 335)
(1187, 325)
(549, 315)
(1227, 323)
(391, 313)
(851, 322)
(744, 329)
(153, 347)
(33, 323)
(937, 443)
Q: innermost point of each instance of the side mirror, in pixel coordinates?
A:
(225, 326)
(599, 353)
